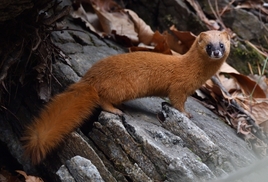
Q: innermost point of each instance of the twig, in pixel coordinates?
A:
(216, 13)
(63, 12)
(226, 7)
(8, 63)
(255, 47)
(3, 107)
(38, 42)
(258, 81)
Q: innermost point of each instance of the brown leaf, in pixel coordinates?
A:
(106, 5)
(248, 86)
(29, 178)
(161, 43)
(185, 40)
(117, 21)
(213, 89)
(90, 18)
(229, 84)
(135, 48)
(226, 68)
(104, 17)
(257, 108)
(122, 39)
(145, 33)
(262, 81)
(242, 126)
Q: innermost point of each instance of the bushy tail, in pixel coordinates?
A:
(60, 117)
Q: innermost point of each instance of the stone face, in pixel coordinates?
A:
(82, 169)
(64, 174)
(160, 15)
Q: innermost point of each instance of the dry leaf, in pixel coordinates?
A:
(90, 19)
(229, 84)
(262, 81)
(105, 17)
(117, 21)
(226, 68)
(29, 178)
(185, 39)
(248, 86)
(160, 42)
(257, 108)
(242, 126)
(145, 33)
(173, 43)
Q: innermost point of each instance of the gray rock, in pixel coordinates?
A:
(64, 174)
(82, 170)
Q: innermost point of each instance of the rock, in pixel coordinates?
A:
(64, 174)
(82, 169)
(160, 15)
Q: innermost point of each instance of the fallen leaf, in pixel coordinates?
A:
(29, 178)
(229, 84)
(145, 33)
(117, 21)
(262, 82)
(160, 42)
(185, 40)
(139, 48)
(226, 68)
(242, 126)
(248, 86)
(90, 18)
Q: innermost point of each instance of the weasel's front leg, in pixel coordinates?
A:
(177, 101)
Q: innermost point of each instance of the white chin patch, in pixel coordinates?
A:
(217, 55)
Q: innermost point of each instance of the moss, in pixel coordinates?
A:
(170, 20)
(241, 55)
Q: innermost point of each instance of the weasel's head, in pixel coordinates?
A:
(215, 44)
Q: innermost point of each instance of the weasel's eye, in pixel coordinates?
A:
(221, 45)
(209, 49)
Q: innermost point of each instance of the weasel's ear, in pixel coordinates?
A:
(225, 33)
(201, 37)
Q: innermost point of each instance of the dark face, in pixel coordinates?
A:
(215, 50)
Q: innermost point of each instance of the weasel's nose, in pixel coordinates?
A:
(216, 53)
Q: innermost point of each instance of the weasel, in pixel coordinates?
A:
(123, 77)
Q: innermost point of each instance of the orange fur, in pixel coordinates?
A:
(61, 116)
(123, 77)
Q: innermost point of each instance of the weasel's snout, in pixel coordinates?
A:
(216, 54)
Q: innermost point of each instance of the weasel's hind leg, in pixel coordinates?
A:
(107, 106)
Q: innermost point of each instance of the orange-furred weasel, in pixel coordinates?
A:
(123, 77)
